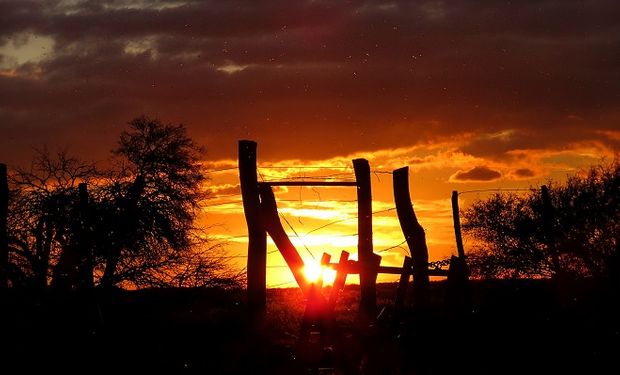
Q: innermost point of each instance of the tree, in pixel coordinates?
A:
(156, 198)
(43, 215)
(136, 227)
(582, 231)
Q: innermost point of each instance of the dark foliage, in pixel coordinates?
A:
(43, 215)
(516, 238)
(139, 228)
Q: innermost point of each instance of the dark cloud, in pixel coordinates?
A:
(524, 173)
(316, 78)
(479, 173)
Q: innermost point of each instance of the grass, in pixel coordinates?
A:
(527, 326)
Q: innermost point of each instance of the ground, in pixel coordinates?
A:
(527, 326)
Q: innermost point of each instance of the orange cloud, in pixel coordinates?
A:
(524, 173)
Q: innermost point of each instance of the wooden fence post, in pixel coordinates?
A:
(415, 236)
(325, 258)
(257, 237)
(273, 226)
(401, 292)
(4, 212)
(340, 280)
(368, 273)
(458, 292)
(457, 224)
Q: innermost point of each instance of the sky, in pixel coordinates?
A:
(472, 95)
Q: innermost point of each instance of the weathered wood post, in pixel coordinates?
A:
(457, 224)
(257, 237)
(415, 236)
(368, 272)
(4, 212)
(458, 273)
(272, 225)
(401, 291)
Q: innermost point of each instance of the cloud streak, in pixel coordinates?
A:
(341, 77)
(479, 173)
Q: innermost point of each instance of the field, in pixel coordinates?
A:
(529, 326)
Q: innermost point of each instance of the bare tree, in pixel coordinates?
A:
(139, 227)
(42, 214)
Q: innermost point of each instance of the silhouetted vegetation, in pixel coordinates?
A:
(517, 236)
(135, 226)
(514, 326)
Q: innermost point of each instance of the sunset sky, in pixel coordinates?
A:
(470, 94)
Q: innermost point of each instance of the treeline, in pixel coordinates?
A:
(574, 233)
(72, 224)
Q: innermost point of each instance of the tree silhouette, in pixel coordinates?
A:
(156, 198)
(516, 237)
(42, 215)
(135, 226)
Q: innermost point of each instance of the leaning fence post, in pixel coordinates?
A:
(271, 222)
(368, 274)
(257, 237)
(415, 236)
(4, 212)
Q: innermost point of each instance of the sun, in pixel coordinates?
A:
(313, 272)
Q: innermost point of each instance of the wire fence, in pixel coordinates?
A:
(310, 176)
(298, 172)
(495, 190)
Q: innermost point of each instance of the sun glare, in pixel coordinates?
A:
(312, 271)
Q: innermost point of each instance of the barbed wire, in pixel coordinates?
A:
(242, 256)
(307, 177)
(232, 237)
(222, 170)
(304, 201)
(300, 238)
(345, 219)
(280, 284)
(394, 247)
(305, 167)
(297, 235)
(220, 196)
(496, 189)
(222, 203)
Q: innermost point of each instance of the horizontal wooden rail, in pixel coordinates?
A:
(308, 183)
(353, 268)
